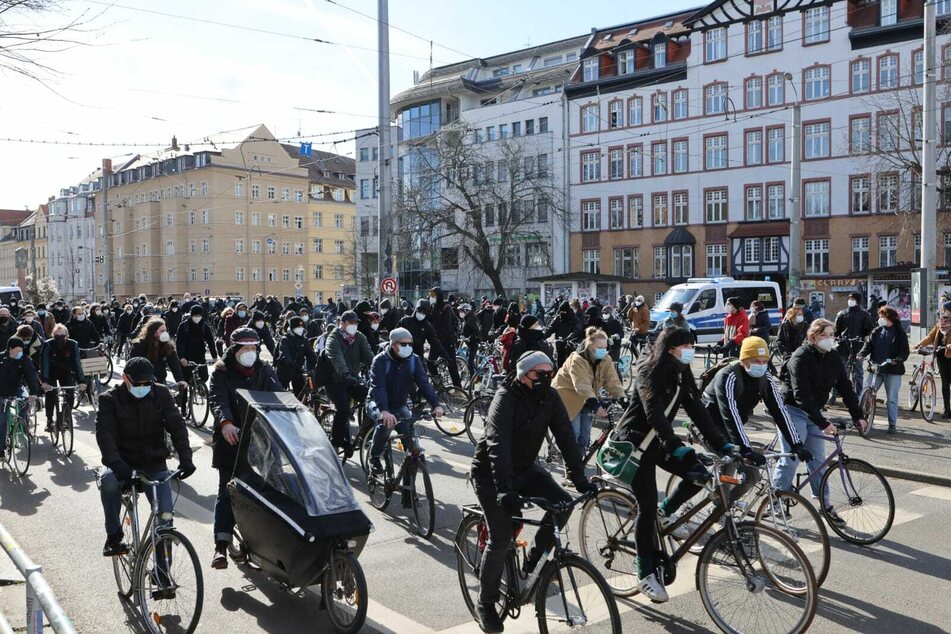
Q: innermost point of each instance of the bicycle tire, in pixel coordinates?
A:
(123, 566)
(813, 533)
(698, 498)
(340, 594)
(469, 549)
(109, 370)
(144, 583)
(66, 431)
(474, 417)
(928, 397)
(719, 545)
(598, 546)
(198, 404)
(448, 427)
(54, 426)
(914, 389)
(21, 447)
(868, 403)
(378, 487)
(556, 573)
(855, 501)
(462, 367)
(424, 508)
(364, 441)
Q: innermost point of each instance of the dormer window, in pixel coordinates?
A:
(590, 69)
(625, 62)
(889, 12)
(660, 54)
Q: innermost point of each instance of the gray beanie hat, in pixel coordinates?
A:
(400, 333)
(529, 360)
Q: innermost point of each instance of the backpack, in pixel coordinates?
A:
(706, 377)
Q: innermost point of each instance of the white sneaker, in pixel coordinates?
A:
(683, 531)
(651, 587)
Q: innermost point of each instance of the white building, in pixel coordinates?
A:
(72, 240)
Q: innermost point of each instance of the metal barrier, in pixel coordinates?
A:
(40, 600)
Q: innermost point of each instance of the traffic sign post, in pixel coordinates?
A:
(388, 286)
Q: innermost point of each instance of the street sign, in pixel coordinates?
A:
(388, 285)
(270, 242)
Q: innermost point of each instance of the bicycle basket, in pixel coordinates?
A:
(619, 459)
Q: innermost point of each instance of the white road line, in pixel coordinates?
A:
(936, 492)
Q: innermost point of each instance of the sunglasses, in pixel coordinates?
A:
(140, 383)
(404, 343)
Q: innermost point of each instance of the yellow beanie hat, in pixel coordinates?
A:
(753, 347)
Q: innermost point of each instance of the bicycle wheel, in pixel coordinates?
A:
(868, 403)
(572, 595)
(759, 582)
(699, 497)
(108, 374)
(424, 504)
(477, 411)
(66, 430)
(21, 447)
(607, 519)
(168, 584)
(198, 403)
(54, 426)
(454, 399)
(859, 494)
(344, 592)
(448, 427)
(801, 522)
(914, 388)
(123, 566)
(470, 541)
(364, 441)
(94, 395)
(929, 397)
(378, 487)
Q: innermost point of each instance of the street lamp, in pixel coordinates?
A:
(795, 196)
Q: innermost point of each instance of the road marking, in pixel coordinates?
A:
(936, 492)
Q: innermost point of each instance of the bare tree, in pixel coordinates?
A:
(360, 263)
(41, 291)
(479, 203)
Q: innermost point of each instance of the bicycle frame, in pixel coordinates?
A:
(415, 453)
(821, 469)
(151, 530)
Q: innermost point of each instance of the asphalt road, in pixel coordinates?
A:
(901, 584)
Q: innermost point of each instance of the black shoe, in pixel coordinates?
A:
(164, 591)
(947, 414)
(376, 466)
(114, 546)
(220, 560)
(347, 449)
(49, 425)
(488, 619)
(406, 499)
(834, 517)
(891, 430)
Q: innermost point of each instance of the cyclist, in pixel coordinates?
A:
(194, 336)
(760, 325)
(29, 317)
(259, 324)
(391, 316)
(887, 348)
(347, 355)
(82, 331)
(567, 330)
(172, 317)
(853, 325)
(8, 325)
(579, 381)
(736, 327)
(46, 319)
(792, 332)
(294, 356)
(676, 319)
(369, 325)
(99, 318)
(33, 343)
(615, 331)
(505, 467)
(810, 374)
(423, 332)
(155, 344)
(392, 376)
(241, 367)
(235, 320)
(124, 326)
(131, 424)
(640, 317)
(471, 333)
(60, 312)
(443, 318)
(16, 371)
(60, 363)
(530, 336)
(939, 337)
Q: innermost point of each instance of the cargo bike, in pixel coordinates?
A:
(296, 517)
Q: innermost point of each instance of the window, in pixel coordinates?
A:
(541, 169)
(298, 222)
(256, 246)
(590, 167)
(754, 202)
(887, 251)
(817, 80)
(298, 196)
(660, 54)
(776, 201)
(817, 256)
(714, 44)
(859, 254)
(774, 33)
(255, 219)
(625, 62)
(338, 221)
(516, 128)
(716, 260)
(817, 140)
(659, 102)
(634, 165)
(364, 154)
(659, 210)
(271, 193)
(590, 69)
(542, 211)
(206, 245)
(681, 160)
(714, 101)
(680, 104)
(503, 130)
(775, 145)
(239, 217)
(754, 37)
(715, 152)
(860, 138)
(635, 210)
(255, 191)
(615, 114)
(530, 127)
(204, 216)
(943, 7)
(861, 198)
(318, 272)
(589, 118)
(317, 219)
(591, 261)
(715, 206)
(660, 262)
(754, 147)
(285, 222)
(918, 66)
(775, 90)
(681, 260)
(659, 158)
(635, 111)
(542, 125)
(239, 246)
(817, 198)
(681, 208)
(590, 215)
(889, 132)
(238, 187)
(754, 92)
(271, 247)
(616, 163)
(751, 251)
(338, 247)
(889, 12)
(771, 250)
(616, 212)
(861, 76)
(169, 247)
(947, 249)
(887, 72)
(887, 193)
(817, 25)
(625, 262)
(364, 188)
(285, 248)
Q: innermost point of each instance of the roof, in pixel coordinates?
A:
(581, 276)
(13, 216)
(671, 25)
(680, 235)
(320, 162)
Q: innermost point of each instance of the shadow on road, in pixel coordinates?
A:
(854, 614)
(20, 495)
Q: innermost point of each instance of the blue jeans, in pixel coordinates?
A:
(381, 434)
(810, 436)
(892, 386)
(581, 425)
(110, 493)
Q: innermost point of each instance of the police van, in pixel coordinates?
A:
(704, 302)
(8, 293)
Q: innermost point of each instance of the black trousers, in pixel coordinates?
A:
(450, 361)
(340, 393)
(53, 395)
(944, 368)
(534, 482)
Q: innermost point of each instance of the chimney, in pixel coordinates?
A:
(174, 143)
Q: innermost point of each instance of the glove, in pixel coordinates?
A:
(801, 452)
(510, 501)
(624, 402)
(683, 453)
(585, 486)
(729, 449)
(122, 471)
(186, 468)
(753, 457)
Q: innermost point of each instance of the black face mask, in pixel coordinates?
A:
(542, 382)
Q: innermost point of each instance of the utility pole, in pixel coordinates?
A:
(36, 219)
(929, 198)
(107, 231)
(383, 202)
(795, 198)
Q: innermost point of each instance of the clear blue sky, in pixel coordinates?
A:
(145, 77)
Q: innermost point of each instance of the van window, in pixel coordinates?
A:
(705, 301)
(681, 295)
(749, 294)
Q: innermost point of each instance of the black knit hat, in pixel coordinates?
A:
(139, 369)
(14, 342)
(527, 321)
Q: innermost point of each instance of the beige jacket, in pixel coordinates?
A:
(640, 318)
(579, 380)
(935, 338)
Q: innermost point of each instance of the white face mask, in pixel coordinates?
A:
(384, 311)
(28, 319)
(259, 324)
(537, 327)
(432, 300)
(247, 359)
(826, 344)
(306, 318)
(298, 331)
(852, 303)
(800, 319)
(351, 329)
(196, 319)
(882, 322)
(80, 317)
(164, 337)
(174, 309)
(420, 316)
(375, 326)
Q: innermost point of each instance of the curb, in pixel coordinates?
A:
(916, 476)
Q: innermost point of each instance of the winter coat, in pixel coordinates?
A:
(810, 375)
(887, 344)
(192, 339)
(162, 364)
(15, 373)
(392, 379)
(580, 379)
(59, 360)
(349, 359)
(294, 355)
(936, 339)
(760, 325)
(853, 323)
(791, 336)
(736, 326)
(83, 333)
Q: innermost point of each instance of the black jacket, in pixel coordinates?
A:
(264, 332)
(519, 419)
(8, 328)
(101, 324)
(853, 323)
(486, 318)
(791, 336)
(887, 343)
(173, 319)
(565, 326)
(15, 373)
(294, 355)
(443, 318)
(192, 339)
(760, 326)
(60, 361)
(391, 319)
(528, 339)
(810, 375)
(132, 430)
(124, 323)
(163, 364)
(365, 326)
(61, 315)
(84, 333)
(423, 333)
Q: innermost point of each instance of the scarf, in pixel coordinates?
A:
(348, 338)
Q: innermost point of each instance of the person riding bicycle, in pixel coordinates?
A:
(567, 330)
(16, 372)
(792, 332)
(131, 424)
(736, 327)
(423, 332)
(579, 381)
(60, 363)
(237, 319)
(99, 318)
(155, 344)
(505, 468)
(241, 367)
(443, 318)
(124, 326)
(471, 333)
(665, 383)
(393, 374)
(853, 325)
(346, 357)
(194, 336)
(530, 335)
(760, 325)
(887, 348)
(615, 331)
(812, 371)
(938, 337)
(295, 356)
(173, 317)
(33, 343)
(81, 330)
(259, 324)
(675, 319)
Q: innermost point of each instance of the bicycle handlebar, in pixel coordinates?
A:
(141, 478)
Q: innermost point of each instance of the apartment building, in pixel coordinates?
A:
(680, 140)
(10, 220)
(71, 226)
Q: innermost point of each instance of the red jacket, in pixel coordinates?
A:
(736, 327)
(507, 340)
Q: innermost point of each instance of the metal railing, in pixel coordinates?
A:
(40, 599)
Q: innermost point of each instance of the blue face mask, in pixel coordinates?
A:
(672, 314)
(686, 356)
(600, 353)
(17, 356)
(140, 391)
(757, 370)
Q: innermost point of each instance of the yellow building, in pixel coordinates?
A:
(33, 236)
(10, 220)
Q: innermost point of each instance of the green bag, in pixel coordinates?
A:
(620, 459)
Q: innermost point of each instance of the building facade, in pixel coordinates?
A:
(71, 226)
(10, 220)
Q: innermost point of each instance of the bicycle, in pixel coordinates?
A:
(922, 392)
(198, 405)
(316, 399)
(766, 572)
(380, 487)
(453, 398)
(153, 568)
(96, 363)
(61, 431)
(19, 448)
(565, 586)
(625, 366)
(868, 401)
